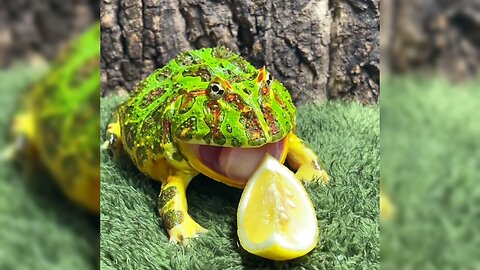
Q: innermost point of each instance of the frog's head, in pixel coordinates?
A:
(230, 115)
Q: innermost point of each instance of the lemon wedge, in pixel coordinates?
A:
(276, 219)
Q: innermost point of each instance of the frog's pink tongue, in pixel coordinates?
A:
(238, 163)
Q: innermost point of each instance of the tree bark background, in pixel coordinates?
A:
(39, 27)
(436, 36)
(323, 49)
(319, 49)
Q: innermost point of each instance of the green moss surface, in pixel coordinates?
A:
(430, 162)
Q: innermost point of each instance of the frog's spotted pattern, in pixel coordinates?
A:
(172, 218)
(214, 119)
(207, 111)
(186, 129)
(166, 196)
(253, 129)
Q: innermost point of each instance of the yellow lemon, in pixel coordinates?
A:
(276, 219)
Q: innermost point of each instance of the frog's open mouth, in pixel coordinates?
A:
(231, 165)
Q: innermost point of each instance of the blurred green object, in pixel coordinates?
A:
(39, 227)
(430, 145)
(58, 117)
(346, 138)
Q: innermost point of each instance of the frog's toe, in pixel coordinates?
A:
(105, 145)
(181, 232)
(311, 173)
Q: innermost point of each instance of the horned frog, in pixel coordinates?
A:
(207, 111)
(57, 121)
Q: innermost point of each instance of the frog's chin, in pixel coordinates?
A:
(231, 165)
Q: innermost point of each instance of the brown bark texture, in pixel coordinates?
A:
(319, 49)
(437, 36)
(39, 27)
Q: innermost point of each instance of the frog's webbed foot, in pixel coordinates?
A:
(172, 206)
(307, 173)
(305, 161)
(185, 230)
(112, 142)
(21, 146)
(113, 136)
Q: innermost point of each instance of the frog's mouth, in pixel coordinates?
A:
(231, 165)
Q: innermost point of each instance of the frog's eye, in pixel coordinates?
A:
(216, 91)
(269, 79)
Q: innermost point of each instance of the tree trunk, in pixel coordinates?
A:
(319, 49)
(431, 35)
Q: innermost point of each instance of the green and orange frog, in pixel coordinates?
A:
(207, 111)
(58, 120)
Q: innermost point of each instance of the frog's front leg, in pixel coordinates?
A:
(305, 161)
(172, 206)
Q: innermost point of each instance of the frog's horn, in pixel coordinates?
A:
(261, 74)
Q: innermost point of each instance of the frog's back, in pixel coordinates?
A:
(145, 118)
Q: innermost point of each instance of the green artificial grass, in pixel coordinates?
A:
(345, 136)
(39, 227)
(430, 162)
